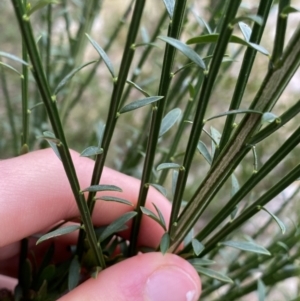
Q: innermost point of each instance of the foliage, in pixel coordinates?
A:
(197, 96)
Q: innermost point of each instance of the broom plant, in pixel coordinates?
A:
(189, 100)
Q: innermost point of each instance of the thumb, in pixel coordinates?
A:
(145, 277)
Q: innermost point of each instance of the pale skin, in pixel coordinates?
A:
(35, 194)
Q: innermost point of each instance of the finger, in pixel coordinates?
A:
(35, 194)
(150, 277)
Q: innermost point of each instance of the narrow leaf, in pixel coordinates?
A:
(204, 152)
(95, 188)
(114, 199)
(169, 4)
(255, 18)
(74, 273)
(70, 75)
(91, 151)
(149, 213)
(13, 57)
(261, 290)
(213, 38)
(290, 9)
(40, 5)
(202, 22)
(186, 50)
(139, 103)
(117, 225)
(165, 243)
(161, 217)
(268, 117)
(10, 68)
(168, 166)
(160, 188)
(216, 137)
(235, 187)
(234, 112)
(198, 247)
(246, 246)
(137, 87)
(58, 232)
(174, 180)
(103, 55)
(212, 274)
(100, 132)
(277, 220)
(169, 120)
(246, 30)
(52, 141)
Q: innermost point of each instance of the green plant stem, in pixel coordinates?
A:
(48, 43)
(114, 105)
(53, 115)
(280, 31)
(157, 116)
(204, 97)
(271, 89)
(256, 178)
(245, 71)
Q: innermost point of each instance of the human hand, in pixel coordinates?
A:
(35, 195)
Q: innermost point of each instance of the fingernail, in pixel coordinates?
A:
(170, 283)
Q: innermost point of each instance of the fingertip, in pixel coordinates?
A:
(150, 277)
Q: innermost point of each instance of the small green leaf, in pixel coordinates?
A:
(255, 18)
(10, 68)
(268, 117)
(198, 247)
(137, 87)
(95, 188)
(200, 261)
(160, 188)
(234, 212)
(246, 246)
(202, 22)
(235, 186)
(290, 9)
(114, 199)
(169, 120)
(169, 4)
(186, 50)
(74, 273)
(161, 217)
(216, 138)
(149, 213)
(174, 180)
(40, 5)
(261, 290)
(103, 55)
(213, 38)
(277, 220)
(13, 57)
(69, 76)
(58, 232)
(204, 152)
(165, 243)
(140, 103)
(168, 166)
(246, 30)
(52, 141)
(234, 112)
(100, 128)
(213, 274)
(118, 225)
(91, 151)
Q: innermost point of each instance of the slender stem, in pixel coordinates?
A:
(157, 115)
(50, 104)
(272, 87)
(204, 97)
(249, 57)
(114, 104)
